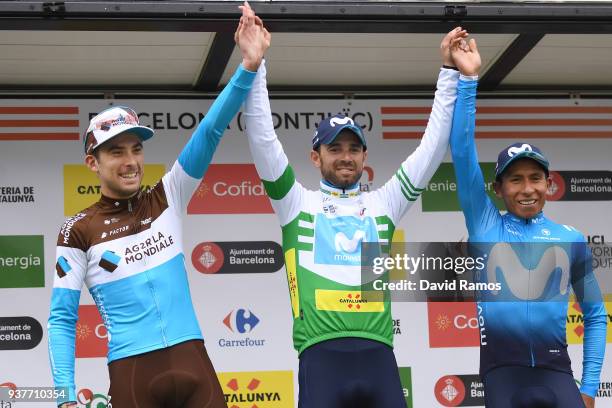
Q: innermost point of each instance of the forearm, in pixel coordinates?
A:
(463, 145)
(61, 340)
(198, 152)
(420, 166)
(268, 155)
(594, 346)
(471, 190)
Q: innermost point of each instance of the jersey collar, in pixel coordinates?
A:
(120, 203)
(537, 219)
(349, 192)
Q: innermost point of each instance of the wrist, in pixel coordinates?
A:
(250, 65)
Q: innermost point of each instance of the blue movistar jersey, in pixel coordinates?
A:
(129, 254)
(523, 329)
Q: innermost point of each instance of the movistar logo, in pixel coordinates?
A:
(516, 150)
(340, 121)
(528, 284)
(343, 243)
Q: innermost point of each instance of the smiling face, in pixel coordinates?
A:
(119, 164)
(341, 162)
(523, 186)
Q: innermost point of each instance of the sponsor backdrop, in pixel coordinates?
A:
(232, 238)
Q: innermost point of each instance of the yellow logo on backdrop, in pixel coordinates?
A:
(269, 389)
(82, 187)
(575, 323)
(349, 301)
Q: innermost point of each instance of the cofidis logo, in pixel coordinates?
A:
(91, 334)
(453, 324)
(230, 189)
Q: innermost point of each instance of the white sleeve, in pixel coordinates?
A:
(407, 184)
(270, 160)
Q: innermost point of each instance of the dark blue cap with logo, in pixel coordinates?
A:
(330, 127)
(517, 151)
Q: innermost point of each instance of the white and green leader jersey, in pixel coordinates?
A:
(323, 230)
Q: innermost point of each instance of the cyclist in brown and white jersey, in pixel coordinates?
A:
(127, 249)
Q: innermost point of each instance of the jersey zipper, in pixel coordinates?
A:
(529, 331)
(530, 336)
(161, 322)
(150, 284)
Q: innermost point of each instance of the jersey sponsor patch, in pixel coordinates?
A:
(349, 301)
(294, 293)
(338, 240)
(545, 276)
(62, 267)
(109, 261)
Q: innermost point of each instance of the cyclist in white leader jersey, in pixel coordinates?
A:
(344, 341)
(127, 249)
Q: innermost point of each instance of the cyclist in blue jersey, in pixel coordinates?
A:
(523, 348)
(127, 249)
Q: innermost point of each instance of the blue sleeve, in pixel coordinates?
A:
(198, 152)
(477, 207)
(61, 337)
(589, 296)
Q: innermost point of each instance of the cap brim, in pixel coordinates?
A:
(353, 129)
(525, 155)
(143, 132)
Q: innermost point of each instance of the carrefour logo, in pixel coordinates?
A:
(241, 322)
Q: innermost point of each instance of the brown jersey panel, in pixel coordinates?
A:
(121, 218)
(73, 233)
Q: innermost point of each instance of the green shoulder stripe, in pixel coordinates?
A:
(278, 189)
(408, 193)
(406, 181)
